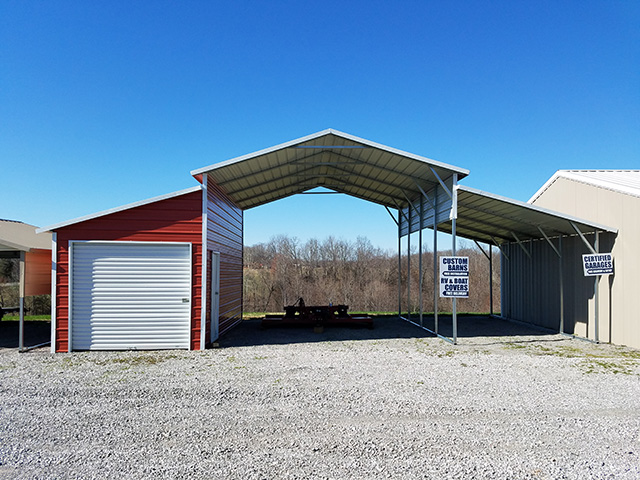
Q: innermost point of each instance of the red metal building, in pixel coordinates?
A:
(161, 273)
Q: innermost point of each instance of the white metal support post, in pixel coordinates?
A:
(596, 286)
(454, 216)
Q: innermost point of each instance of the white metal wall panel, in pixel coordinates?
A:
(127, 295)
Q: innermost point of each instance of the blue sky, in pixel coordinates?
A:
(107, 103)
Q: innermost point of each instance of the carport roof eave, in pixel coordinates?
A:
(462, 172)
(530, 216)
(21, 237)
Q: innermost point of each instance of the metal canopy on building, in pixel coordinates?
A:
(334, 160)
(492, 219)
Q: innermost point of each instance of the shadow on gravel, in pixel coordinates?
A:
(36, 332)
(250, 332)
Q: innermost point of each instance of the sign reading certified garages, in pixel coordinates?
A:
(130, 295)
(599, 264)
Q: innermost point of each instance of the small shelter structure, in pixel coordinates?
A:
(19, 240)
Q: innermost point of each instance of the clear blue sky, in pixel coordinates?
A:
(106, 103)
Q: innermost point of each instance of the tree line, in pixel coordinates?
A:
(354, 273)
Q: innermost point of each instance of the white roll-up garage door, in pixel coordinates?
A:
(127, 295)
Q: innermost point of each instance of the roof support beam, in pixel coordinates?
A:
(411, 205)
(274, 167)
(500, 248)
(391, 214)
(446, 189)
(584, 240)
(400, 212)
(424, 194)
(266, 182)
(549, 242)
(482, 250)
(373, 166)
(521, 245)
(395, 185)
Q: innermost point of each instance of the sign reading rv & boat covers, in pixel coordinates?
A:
(599, 264)
(454, 277)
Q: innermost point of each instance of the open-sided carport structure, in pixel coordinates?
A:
(425, 194)
(18, 240)
(203, 227)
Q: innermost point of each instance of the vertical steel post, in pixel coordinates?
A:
(454, 211)
(399, 264)
(490, 280)
(420, 258)
(22, 291)
(561, 285)
(436, 287)
(409, 265)
(597, 293)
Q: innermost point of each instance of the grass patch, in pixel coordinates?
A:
(16, 318)
(593, 358)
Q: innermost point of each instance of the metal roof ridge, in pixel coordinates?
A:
(121, 208)
(536, 208)
(575, 175)
(264, 151)
(330, 131)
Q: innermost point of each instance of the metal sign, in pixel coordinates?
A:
(600, 264)
(454, 277)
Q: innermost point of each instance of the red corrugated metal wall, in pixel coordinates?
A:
(224, 235)
(177, 219)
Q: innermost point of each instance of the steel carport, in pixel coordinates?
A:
(425, 194)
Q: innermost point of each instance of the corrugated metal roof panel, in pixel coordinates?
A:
(486, 217)
(330, 159)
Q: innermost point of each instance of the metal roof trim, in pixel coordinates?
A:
(579, 176)
(128, 206)
(461, 171)
(20, 236)
(535, 208)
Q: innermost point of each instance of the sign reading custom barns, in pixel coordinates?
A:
(600, 264)
(454, 277)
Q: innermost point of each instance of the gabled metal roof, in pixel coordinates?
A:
(490, 218)
(623, 181)
(330, 159)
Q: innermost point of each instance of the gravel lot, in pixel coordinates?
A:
(391, 402)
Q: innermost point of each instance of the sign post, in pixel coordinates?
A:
(597, 265)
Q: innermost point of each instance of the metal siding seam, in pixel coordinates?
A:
(70, 294)
(205, 255)
(191, 295)
(54, 283)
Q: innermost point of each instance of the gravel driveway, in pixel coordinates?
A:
(391, 402)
